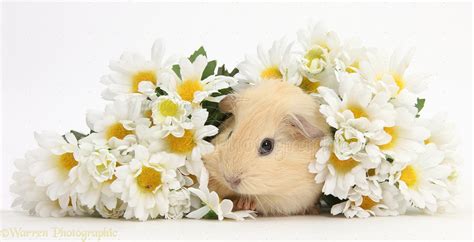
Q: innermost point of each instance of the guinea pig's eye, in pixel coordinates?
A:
(230, 133)
(266, 147)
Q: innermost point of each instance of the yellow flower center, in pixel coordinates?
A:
(149, 179)
(357, 110)
(399, 81)
(427, 141)
(309, 86)
(367, 203)
(142, 76)
(342, 166)
(117, 130)
(379, 76)
(66, 162)
(409, 176)
(393, 132)
(353, 67)
(453, 176)
(314, 54)
(168, 108)
(181, 145)
(187, 89)
(112, 179)
(271, 73)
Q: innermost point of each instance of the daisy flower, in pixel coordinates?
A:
(191, 145)
(422, 181)
(115, 212)
(362, 205)
(355, 101)
(133, 70)
(212, 207)
(273, 64)
(442, 132)
(179, 205)
(451, 159)
(32, 197)
(171, 115)
(352, 54)
(117, 123)
(189, 86)
(95, 175)
(318, 50)
(406, 137)
(337, 175)
(52, 164)
(391, 77)
(145, 183)
(359, 139)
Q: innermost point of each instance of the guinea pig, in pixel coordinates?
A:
(262, 152)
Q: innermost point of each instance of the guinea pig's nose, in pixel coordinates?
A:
(233, 181)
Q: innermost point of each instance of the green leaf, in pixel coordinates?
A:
(197, 53)
(177, 70)
(210, 215)
(216, 117)
(209, 70)
(389, 158)
(76, 134)
(420, 103)
(160, 92)
(222, 71)
(330, 200)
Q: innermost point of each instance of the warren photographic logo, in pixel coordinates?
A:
(57, 233)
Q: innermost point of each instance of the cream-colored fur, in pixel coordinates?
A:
(278, 183)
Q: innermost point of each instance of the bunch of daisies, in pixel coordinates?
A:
(381, 157)
(143, 156)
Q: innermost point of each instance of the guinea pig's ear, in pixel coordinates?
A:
(227, 105)
(304, 127)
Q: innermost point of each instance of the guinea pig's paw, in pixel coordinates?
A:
(244, 203)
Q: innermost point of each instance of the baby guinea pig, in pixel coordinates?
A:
(262, 152)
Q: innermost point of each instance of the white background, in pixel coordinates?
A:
(54, 54)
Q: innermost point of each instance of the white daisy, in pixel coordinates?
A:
(337, 175)
(359, 139)
(116, 212)
(212, 207)
(352, 54)
(392, 78)
(422, 180)
(52, 164)
(95, 175)
(180, 204)
(362, 205)
(117, 123)
(145, 182)
(442, 132)
(355, 100)
(171, 115)
(277, 63)
(32, 197)
(191, 145)
(319, 50)
(189, 86)
(407, 137)
(133, 70)
(451, 159)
